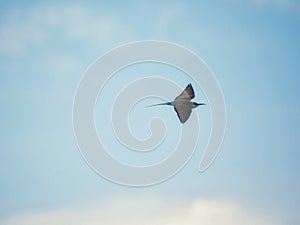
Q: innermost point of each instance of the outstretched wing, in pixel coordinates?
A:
(187, 94)
(183, 112)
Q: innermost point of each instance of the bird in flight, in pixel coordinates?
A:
(183, 104)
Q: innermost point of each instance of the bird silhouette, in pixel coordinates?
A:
(183, 104)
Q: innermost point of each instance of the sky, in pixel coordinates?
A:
(252, 47)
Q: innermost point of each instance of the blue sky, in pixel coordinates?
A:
(253, 49)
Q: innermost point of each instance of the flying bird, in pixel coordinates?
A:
(183, 104)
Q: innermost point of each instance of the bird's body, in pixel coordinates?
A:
(183, 104)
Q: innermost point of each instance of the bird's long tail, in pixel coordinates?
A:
(165, 103)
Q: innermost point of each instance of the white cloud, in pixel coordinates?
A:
(40, 25)
(152, 210)
(58, 39)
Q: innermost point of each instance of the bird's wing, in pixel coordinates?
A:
(183, 112)
(187, 94)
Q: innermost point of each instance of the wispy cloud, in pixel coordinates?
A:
(152, 210)
(42, 25)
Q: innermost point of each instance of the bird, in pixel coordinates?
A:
(183, 104)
